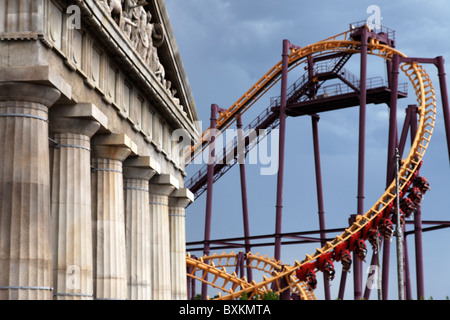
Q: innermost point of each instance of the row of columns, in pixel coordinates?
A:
(88, 218)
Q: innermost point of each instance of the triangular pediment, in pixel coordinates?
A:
(170, 57)
(160, 53)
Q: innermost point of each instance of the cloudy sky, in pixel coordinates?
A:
(227, 45)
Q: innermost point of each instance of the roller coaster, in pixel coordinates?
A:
(309, 96)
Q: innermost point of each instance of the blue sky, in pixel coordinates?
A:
(226, 46)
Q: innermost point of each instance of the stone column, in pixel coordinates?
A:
(178, 201)
(110, 276)
(25, 221)
(137, 173)
(161, 187)
(71, 202)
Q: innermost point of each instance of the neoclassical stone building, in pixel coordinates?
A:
(92, 190)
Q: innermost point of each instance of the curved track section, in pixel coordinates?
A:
(215, 266)
(291, 277)
(338, 43)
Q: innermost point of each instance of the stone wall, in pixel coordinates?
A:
(89, 175)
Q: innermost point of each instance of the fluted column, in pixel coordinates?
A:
(110, 276)
(137, 173)
(178, 201)
(161, 187)
(71, 206)
(25, 221)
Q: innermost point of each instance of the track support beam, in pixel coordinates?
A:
(209, 192)
(357, 265)
(323, 236)
(282, 137)
(444, 98)
(243, 178)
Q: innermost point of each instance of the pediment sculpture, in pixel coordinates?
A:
(146, 37)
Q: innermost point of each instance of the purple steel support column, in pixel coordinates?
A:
(409, 111)
(373, 262)
(389, 69)
(357, 265)
(189, 283)
(239, 270)
(282, 137)
(392, 144)
(417, 224)
(315, 120)
(407, 294)
(444, 98)
(362, 121)
(342, 285)
(406, 126)
(241, 161)
(210, 183)
(351, 220)
(209, 192)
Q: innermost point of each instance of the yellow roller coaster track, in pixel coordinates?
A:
(216, 264)
(426, 101)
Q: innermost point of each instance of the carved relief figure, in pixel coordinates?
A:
(114, 7)
(135, 10)
(158, 35)
(127, 24)
(157, 67)
(148, 30)
(155, 34)
(144, 36)
(144, 40)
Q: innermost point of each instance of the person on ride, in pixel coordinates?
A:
(407, 206)
(346, 260)
(387, 229)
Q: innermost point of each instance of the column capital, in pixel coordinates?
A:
(73, 125)
(113, 146)
(39, 75)
(163, 184)
(81, 111)
(142, 167)
(181, 198)
(29, 92)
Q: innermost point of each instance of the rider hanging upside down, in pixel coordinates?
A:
(329, 270)
(311, 279)
(356, 244)
(361, 249)
(416, 196)
(387, 229)
(407, 206)
(326, 266)
(346, 260)
(342, 254)
(307, 274)
(373, 235)
(402, 218)
(422, 184)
